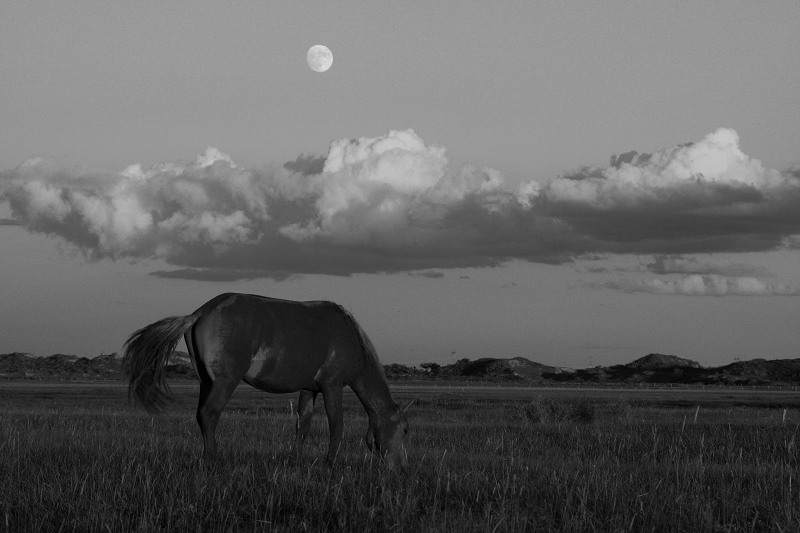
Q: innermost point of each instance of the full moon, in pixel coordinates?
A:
(319, 58)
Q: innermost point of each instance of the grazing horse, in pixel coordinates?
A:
(277, 346)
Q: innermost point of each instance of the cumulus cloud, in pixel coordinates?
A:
(395, 203)
(706, 196)
(139, 213)
(697, 285)
(387, 203)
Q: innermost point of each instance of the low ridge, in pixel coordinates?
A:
(653, 368)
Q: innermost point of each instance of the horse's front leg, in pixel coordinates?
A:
(305, 409)
(333, 408)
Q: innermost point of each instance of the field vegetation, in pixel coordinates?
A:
(86, 462)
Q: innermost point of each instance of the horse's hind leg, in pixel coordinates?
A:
(213, 397)
(305, 409)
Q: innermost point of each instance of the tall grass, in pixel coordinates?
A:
(542, 409)
(474, 466)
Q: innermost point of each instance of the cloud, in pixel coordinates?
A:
(428, 274)
(218, 274)
(672, 264)
(697, 197)
(792, 242)
(138, 213)
(306, 164)
(394, 203)
(697, 285)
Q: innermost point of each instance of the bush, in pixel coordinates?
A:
(621, 410)
(582, 411)
(548, 410)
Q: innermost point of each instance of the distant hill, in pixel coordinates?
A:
(652, 368)
(516, 369)
(19, 365)
(762, 370)
(657, 361)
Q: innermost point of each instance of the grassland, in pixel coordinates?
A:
(75, 457)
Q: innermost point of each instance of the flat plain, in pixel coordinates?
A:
(77, 457)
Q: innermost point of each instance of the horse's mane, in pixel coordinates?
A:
(367, 348)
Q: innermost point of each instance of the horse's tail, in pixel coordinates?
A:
(145, 355)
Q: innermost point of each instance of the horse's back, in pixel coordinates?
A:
(275, 345)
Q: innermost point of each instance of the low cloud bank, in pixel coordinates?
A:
(394, 203)
(691, 265)
(697, 285)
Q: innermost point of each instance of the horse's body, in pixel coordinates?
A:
(276, 346)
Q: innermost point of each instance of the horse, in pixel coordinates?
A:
(277, 346)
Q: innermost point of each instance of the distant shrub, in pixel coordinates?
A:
(582, 411)
(548, 410)
(542, 410)
(621, 410)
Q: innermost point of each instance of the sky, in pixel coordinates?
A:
(575, 183)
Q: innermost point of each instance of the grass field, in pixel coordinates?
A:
(75, 457)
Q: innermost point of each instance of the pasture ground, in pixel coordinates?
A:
(76, 457)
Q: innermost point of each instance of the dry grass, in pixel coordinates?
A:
(475, 466)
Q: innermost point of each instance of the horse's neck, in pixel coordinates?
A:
(373, 391)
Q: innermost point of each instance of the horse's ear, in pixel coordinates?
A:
(406, 406)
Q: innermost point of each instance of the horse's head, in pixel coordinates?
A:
(387, 439)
